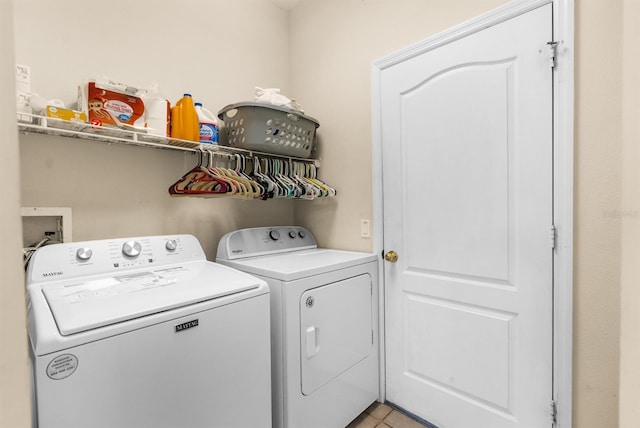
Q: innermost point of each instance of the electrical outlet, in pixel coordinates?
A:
(365, 229)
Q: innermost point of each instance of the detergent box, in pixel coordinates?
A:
(65, 118)
(66, 114)
(112, 104)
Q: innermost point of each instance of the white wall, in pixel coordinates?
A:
(14, 359)
(217, 50)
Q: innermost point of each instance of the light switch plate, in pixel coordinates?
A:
(365, 229)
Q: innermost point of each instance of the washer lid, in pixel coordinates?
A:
(300, 264)
(83, 304)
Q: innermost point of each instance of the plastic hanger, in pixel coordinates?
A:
(198, 182)
(251, 178)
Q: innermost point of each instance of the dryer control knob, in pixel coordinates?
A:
(302, 234)
(274, 235)
(84, 253)
(292, 234)
(171, 245)
(131, 249)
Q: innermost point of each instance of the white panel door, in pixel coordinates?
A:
(467, 167)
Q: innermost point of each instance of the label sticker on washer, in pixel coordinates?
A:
(62, 366)
(131, 283)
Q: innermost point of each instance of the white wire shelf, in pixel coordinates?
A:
(30, 123)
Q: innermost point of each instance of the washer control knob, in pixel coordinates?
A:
(292, 234)
(171, 245)
(131, 249)
(302, 233)
(84, 253)
(274, 235)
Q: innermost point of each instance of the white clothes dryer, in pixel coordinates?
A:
(145, 332)
(324, 323)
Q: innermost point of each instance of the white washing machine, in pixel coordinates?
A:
(145, 332)
(324, 327)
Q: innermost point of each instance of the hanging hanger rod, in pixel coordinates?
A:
(215, 148)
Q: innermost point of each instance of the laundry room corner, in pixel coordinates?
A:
(321, 52)
(119, 190)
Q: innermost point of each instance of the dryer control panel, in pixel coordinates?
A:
(259, 241)
(60, 261)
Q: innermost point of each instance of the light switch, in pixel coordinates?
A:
(365, 228)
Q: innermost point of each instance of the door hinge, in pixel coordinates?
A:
(553, 53)
(553, 411)
(553, 236)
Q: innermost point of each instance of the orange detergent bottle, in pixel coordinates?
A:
(184, 120)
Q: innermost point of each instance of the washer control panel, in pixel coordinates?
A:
(264, 240)
(68, 260)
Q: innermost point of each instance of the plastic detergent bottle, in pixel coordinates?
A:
(208, 125)
(184, 120)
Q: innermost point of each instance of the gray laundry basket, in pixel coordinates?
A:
(268, 128)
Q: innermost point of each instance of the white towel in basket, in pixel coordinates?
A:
(274, 97)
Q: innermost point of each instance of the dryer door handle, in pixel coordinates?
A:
(311, 337)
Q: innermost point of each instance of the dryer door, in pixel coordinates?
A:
(336, 330)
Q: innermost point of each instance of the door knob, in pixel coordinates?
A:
(391, 256)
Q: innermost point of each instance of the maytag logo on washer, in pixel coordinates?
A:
(48, 274)
(186, 325)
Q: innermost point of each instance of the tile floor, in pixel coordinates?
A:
(382, 416)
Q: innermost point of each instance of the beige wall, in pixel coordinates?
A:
(14, 360)
(118, 191)
(597, 202)
(630, 220)
(333, 45)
